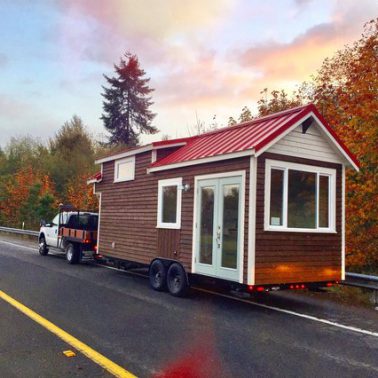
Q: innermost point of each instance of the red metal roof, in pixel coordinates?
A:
(97, 177)
(251, 135)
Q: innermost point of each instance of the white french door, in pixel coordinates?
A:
(218, 229)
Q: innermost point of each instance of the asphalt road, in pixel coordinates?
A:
(154, 334)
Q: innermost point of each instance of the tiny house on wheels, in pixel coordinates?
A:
(259, 205)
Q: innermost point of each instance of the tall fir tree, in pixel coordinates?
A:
(127, 103)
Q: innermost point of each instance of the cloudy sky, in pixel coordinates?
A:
(204, 57)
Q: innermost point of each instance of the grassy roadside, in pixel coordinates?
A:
(352, 295)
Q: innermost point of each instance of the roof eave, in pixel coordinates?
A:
(121, 155)
(208, 159)
(93, 181)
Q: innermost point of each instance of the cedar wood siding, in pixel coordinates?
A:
(284, 257)
(129, 212)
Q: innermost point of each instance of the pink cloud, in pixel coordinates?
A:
(172, 43)
(301, 57)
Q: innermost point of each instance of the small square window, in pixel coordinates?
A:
(124, 169)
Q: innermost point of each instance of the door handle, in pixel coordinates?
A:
(219, 237)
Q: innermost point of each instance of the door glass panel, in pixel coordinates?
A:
(207, 225)
(230, 226)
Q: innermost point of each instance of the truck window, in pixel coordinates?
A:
(83, 222)
(63, 219)
(55, 220)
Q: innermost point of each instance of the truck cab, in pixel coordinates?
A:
(71, 232)
(50, 230)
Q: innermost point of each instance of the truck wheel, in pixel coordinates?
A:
(177, 280)
(72, 254)
(157, 275)
(43, 250)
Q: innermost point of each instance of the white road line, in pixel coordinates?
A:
(289, 312)
(21, 246)
(273, 308)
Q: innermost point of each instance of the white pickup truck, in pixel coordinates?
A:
(71, 232)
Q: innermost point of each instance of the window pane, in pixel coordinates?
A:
(169, 205)
(230, 226)
(301, 199)
(276, 195)
(323, 201)
(125, 170)
(207, 225)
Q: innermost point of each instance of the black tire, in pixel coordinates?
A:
(72, 253)
(158, 275)
(177, 280)
(43, 250)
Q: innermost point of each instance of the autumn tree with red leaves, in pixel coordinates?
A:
(345, 90)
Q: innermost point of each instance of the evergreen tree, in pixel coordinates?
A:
(72, 153)
(126, 103)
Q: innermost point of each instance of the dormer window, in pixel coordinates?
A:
(124, 169)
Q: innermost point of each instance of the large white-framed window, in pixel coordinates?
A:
(124, 169)
(169, 203)
(299, 197)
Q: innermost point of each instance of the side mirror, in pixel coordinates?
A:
(42, 223)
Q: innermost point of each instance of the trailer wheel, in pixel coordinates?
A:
(157, 275)
(43, 250)
(72, 254)
(177, 281)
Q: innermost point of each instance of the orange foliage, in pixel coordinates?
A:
(81, 195)
(345, 90)
(18, 192)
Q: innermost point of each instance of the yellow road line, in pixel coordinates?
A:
(96, 357)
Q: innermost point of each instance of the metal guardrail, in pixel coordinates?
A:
(19, 231)
(363, 281)
(363, 277)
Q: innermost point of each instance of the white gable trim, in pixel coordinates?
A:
(323, 129)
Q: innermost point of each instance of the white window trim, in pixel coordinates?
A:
(177, 181)
(285, 166)
(121, 161)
